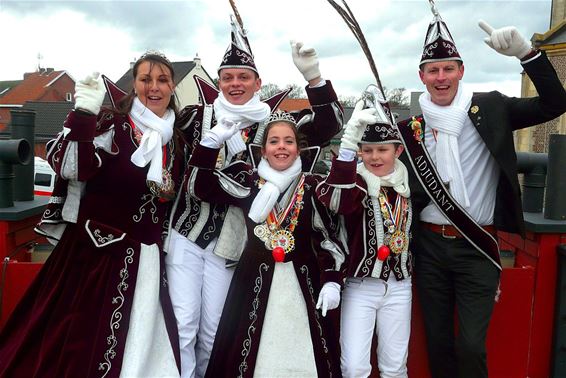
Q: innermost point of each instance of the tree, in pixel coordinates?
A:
(268, 90)
(296, 91)
(396, 97)
(348, 101)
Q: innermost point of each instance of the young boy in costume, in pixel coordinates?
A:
(374, 199)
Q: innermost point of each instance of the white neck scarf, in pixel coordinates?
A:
(275, 183)
(157, 132)
(398, 179)
(449, 120)
(247, 114)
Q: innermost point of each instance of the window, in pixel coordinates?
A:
(43, 179)
(69, 96)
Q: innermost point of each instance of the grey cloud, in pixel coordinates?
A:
(164, 25)
(171, 26)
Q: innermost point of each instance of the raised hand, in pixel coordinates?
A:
(306, 60)
(89, 93)
(356, 126)
(506, 40)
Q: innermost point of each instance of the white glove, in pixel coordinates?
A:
(507, 40)
(305, 59)
(329, 297)
(224, 130)
(89, 93)
(357, 125)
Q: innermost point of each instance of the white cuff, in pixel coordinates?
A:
(345, 154)
(321, 83)
(531, 59)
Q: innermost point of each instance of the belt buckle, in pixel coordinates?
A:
(446, 236)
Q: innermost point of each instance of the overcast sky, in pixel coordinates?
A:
(82, 36)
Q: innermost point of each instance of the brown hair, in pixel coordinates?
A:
(299, 138)
(256, 75)
(125, 105)
(422, 65)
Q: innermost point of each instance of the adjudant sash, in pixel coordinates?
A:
(411, 135)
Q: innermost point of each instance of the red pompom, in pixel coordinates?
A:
(278, 254)
(383, 253)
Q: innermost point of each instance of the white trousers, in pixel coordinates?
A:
(369, 304)
(198, 284)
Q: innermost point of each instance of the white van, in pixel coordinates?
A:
(44, 179)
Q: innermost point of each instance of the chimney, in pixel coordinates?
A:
(49, 70)
(197, 61)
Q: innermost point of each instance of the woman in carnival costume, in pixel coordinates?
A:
(100, 305)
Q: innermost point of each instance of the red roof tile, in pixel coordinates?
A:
(294, 104)
(33, 87)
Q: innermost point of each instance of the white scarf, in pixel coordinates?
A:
(398, 179)
(449, 120)
(275, 183)
(157, 132)
(247, 114)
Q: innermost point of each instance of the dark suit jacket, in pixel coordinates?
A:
(496, 117)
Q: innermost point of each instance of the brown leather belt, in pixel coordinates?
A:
(450, 232)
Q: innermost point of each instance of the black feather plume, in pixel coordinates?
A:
(348, 16)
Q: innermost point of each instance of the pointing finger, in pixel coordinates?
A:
(293, 45)
(306, 50)
(485, 27)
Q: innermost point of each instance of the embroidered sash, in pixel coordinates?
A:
(483, 241)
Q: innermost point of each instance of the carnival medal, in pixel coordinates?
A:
(395, 238)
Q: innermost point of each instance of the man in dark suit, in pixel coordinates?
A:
(468, 139)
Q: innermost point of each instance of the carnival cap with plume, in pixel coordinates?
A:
(439, 44)
(239, 53)
(383, 130)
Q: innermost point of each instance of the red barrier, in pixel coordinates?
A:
(538, 251)
(521, 330)
(509, 330)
